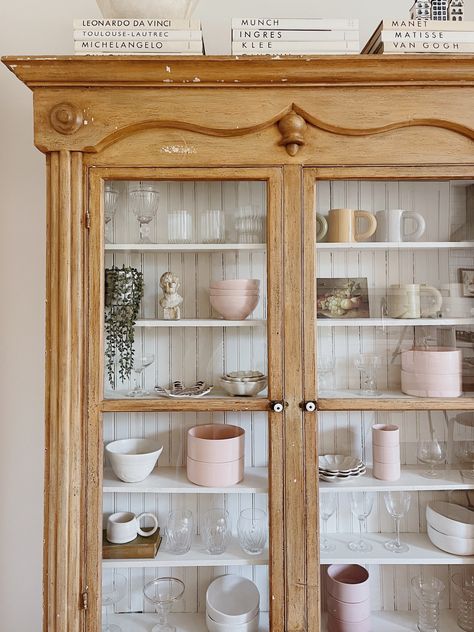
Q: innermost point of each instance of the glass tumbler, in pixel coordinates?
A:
(179, 532)
(212, 224)
(250, 225)
(463, 584)
(428, 591)
(216, 530)
(252, 530)
(180, 227)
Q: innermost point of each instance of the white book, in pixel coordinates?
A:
(135, 53)
(275, 35)
(423, 25)
(117, 34)
(296, 47)
(427, 47)
(135, 23)
(300, 53)
(141, 46)
(296, 23)
(427, 36)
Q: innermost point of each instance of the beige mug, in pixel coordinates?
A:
(321, 227)
(343, 225)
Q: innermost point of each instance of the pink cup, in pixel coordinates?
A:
(348, 612)
(348, 582)
(216, 443)
(215, 474)
(387, 471)
(385, 435)
(335, 625)
(386, 454)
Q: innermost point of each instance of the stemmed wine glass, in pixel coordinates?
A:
(144, 200)
(361, 506)
(397, 504)
(141, 363)
(113, 590)
(465, 454)
(111, 196)
(327, 507)
(367, 363)
(432, 452)
(163, 592)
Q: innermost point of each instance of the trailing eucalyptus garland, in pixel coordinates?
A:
(123, 293)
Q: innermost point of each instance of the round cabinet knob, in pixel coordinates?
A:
(310, 407)
(277, 407)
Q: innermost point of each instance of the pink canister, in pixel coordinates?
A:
(432, 360)
(386, 454)
(348, 582)
(385, 435)
(350, 612)
(387, 471)
(215, 474)
(431, 385)
(216, 443)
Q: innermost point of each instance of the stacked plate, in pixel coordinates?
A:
(232, 605)
(243, 383)
(335, 468)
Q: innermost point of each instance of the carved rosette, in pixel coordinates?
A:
(66, 118)
(292, 127)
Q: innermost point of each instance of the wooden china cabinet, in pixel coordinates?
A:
(273, 140)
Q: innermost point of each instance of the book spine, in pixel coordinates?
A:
(295, 24)
(427, 36)
(137, 53)
(111, 34)
(428, 47)
(296, 47)
(240, 35)
(299, 53)
(136, 23)
(137, 45)
(426, 25)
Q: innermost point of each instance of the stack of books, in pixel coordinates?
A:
(293, 36)
(421, 36)
(154, 36)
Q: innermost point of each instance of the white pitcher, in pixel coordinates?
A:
(404, 301)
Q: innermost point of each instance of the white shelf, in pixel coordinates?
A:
(406, 621)
(173, 480)
(196, 322)
(197, 556)
(216, 393)
(355, 394)
(393, 322)
(135, 622)
(411, 479)
(421, 551)
(184, 247)
(396, 245)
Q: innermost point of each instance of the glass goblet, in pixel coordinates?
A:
(327, 507)
(111, 197)
(431, 452)
(144, 199)
(252, 530)
(113, 590)
(163, 592)
(368, 363)
(465, 454)
(397, 504)
(216, 530)
(141, 363)
(361, 507)
(179, 532)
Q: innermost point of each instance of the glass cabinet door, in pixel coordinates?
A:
(184, 388)
(394, 271)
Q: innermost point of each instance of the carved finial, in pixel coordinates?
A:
(66, 118)
(292, 127)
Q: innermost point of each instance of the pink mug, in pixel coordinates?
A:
(385, 435)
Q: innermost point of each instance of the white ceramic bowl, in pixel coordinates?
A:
(243, 389)
(146, 8)
(232, 600)
(250, 626)
(132, 460)
(450, 519)
(450, 543)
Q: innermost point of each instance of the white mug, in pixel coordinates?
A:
(391, 225)
(124, 526)
(404, 301)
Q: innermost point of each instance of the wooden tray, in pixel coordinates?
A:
(139, 548)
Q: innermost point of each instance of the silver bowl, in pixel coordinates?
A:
(243, 389)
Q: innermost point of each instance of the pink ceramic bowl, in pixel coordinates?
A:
(348, 612)
(335, 625)
(215, 474)
(216, 292)
(234, 284)
(436, 385)
(387, 471)
(386, 454)
(234, 308)
(439, 360)
(216, 443)
(385, 435)
(348, 582)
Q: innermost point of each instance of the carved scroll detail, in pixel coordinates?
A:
(292, 127)
(66, 118)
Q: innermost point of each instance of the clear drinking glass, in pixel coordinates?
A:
(179, 532)
(180, 227)
(463, 585)
(216, 530)
(465, 454)
(368, 363)
(113, 590)
(212, 224)
(144, 200)
(361, 507)
(163, 592)
(397, 504)
(141, 363)
(327, 507)
(250, 225)
(428, 591)
(431, 452)
(111, 197)
(326, 366)
(252, 530)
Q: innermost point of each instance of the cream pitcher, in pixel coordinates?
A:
(342, 225)
(404, 301)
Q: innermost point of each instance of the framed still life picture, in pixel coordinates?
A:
(343, 298)
(466, 277)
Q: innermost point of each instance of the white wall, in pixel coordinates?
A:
(47, 30)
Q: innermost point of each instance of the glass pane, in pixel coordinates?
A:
(185, 288)
(395, 268)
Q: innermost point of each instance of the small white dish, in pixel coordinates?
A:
(339, 462)
(450, 543)
(232, 600)
(249, 626)
(450, 519)
(132, 460)
(179, 391)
